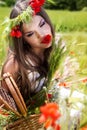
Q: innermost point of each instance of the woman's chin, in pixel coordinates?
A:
(47, 45)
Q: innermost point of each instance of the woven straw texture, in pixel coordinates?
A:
(29, 123)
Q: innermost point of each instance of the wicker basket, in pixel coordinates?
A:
(29, 123)
(24, 122)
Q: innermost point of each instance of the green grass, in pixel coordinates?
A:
(3, 46)
(4, 13)
(69, 21)
(77, 42)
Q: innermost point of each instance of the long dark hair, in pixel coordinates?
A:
(23, 52)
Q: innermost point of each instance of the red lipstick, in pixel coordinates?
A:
(46, 39)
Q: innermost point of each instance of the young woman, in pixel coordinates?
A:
(29, 49)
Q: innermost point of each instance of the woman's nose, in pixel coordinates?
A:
(40, 33)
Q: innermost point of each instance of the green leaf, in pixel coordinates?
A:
(54, 60)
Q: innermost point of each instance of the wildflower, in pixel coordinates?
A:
(72, 52)
(36, 4)
(50, 115)
(64, 84)
(84, 128)
(84, 80)
(15, 32)
(4, 113)
(49, 95)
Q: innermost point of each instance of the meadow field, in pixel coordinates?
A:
(71, 25)
(64, 21)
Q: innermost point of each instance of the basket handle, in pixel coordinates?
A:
(8, 107)
(13, 88)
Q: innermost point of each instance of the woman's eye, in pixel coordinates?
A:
(29, 34)
(42, 23)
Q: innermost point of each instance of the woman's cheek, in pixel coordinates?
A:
(48, 30)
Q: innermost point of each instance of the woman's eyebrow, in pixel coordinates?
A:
(28, 32)
(25, 33)
(40, 22)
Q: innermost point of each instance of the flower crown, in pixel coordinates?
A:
(12, 25)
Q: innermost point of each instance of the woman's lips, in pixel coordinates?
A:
(46, 39)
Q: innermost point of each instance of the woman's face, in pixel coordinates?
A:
(38, 33)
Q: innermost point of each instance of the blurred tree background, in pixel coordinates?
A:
(55, 4)
(8, 3)
(67, 4)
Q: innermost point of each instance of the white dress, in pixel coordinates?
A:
(35, 79)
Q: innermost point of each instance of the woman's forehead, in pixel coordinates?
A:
(34, 22)
(36, 18)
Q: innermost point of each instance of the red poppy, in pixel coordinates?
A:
(15, 32)
(84, 128)
(84, 80)
(72, 52)
(63, 84)
(49, 95)
(46, 39)
(12, 33)
(49, 114)
(57, 127)
(48, 123)
(36, 4)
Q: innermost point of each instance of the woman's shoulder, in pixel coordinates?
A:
(11, 65)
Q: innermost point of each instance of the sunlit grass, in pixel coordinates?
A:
(77, 42)
(68, 21)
